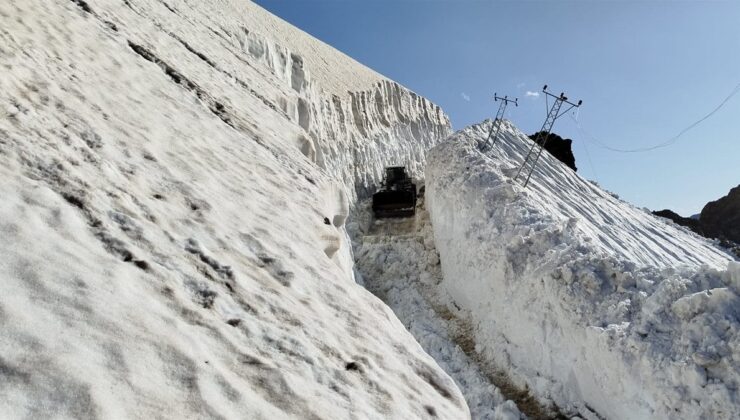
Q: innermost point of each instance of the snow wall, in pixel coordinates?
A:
(355, 121)
(175, 178)
(590, 302)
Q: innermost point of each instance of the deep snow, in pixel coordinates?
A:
(174, 189)
(396, 260)
(598, 306)
(175, 181)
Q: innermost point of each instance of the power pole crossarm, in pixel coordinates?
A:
(539, 143)
(496, 125)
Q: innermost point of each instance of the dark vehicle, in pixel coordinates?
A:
(397, 198)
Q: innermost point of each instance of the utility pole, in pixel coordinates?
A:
(539, 142)
(496, 126)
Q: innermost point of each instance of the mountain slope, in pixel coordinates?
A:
(598, 306)
(174, 195)
(721, 218)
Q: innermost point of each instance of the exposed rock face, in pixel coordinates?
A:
(721, 218)
(560, 148)
(690, 223)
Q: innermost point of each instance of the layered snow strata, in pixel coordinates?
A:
(356, 121)
(167, 250)
(594, 304)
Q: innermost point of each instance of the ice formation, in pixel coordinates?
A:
(175, 178)
(598, 306)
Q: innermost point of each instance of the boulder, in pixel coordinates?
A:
(560, 148)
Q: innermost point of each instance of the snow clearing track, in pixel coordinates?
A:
(396, 260)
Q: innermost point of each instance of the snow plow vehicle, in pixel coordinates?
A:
(397, 198)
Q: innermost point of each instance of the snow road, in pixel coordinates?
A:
(397, 261)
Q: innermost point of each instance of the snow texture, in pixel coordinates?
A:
(356, 121)
(172, 243)
(600, 307)
(398, 262)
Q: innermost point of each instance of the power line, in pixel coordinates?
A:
(590, 163)
(666, 143)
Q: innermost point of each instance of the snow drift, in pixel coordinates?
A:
(592, 303)
(175, 178)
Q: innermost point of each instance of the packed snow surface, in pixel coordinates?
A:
(172, 245)
(598, 306)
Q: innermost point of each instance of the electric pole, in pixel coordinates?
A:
(542, 136)
(496, 126)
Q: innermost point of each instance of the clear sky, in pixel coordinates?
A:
(644, 69)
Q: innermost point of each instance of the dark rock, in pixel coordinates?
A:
(352, 366)
(690, 223)
(721, 218)
(559, 147)
(731, 247)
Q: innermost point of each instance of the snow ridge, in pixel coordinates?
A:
(595, 305)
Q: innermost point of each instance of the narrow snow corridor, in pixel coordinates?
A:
(397, 261)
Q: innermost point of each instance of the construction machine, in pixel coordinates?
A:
(397, 197)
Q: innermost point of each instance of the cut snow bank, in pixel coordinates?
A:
(594, 304)
(168, 246)
(356, 121)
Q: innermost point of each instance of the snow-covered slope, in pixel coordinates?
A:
(174, 188)
(592, 303)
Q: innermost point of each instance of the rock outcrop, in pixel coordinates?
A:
(688, 222)
(559, 147)
(721, 218)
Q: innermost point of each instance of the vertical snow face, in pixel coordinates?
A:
(356, 121)
(595, 305)
(169, 247)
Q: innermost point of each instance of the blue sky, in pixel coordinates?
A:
(644, 69)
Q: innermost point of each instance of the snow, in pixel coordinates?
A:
(176, 182)
(397, 261)
(163, 245)
(356, 121)
(595, 305)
